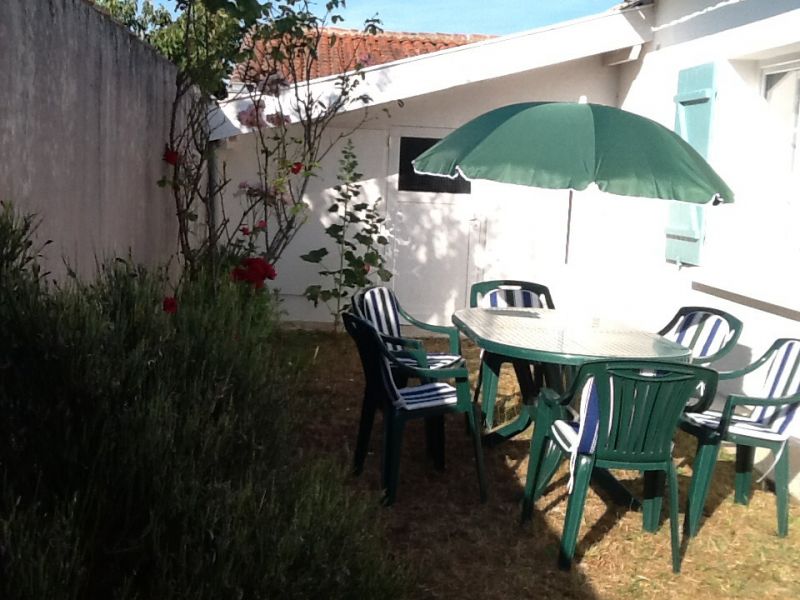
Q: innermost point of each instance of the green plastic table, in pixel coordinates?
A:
(557, 338)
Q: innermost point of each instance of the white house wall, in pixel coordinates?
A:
(752, 248)
(433, 237)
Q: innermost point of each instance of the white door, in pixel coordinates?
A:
(437, 239)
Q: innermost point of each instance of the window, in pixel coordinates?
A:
(409, 181)
(782, 93)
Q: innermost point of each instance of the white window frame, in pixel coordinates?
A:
(784, 65)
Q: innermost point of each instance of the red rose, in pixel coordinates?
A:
(262, 224)
(254, 270)
(171, 156)
(271, 272)
(297, 167)
(245, 229)
(170, 305)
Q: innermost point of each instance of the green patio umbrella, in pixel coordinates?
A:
(564, 145)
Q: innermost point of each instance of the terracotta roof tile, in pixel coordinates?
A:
(353, 47)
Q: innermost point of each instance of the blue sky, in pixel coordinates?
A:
(470, 16)
(464, 16)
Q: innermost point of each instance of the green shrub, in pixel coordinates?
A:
(146, 454)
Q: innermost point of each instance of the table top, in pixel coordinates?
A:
(561, 337)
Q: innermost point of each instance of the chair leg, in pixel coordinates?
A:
(474, 416)
(536, 447)
(575, 505)
(364, 432)
(703, 469)
(386, 455)
(744, 473)
(490, 373)
(434, 434)
(782, 492)
(393, 451)
(673, 519)
(653, 500)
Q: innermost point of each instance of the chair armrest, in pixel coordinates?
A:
(398, 341)
(739, 400)
(452, 373)
(735, 400)
(449, 331)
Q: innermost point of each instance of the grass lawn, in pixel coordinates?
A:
(461, 548)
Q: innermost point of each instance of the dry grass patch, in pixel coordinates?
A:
(464, 549)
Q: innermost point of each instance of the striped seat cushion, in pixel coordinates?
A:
(705, 333)
(510, 296)
(565, 434)
(579, 435)
(745, 426)
(781, 377)
(380, 309)
(436, 360)
(426, 396)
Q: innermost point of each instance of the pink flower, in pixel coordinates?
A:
(252, 116)
(262, 224)
(277, 119)
(245, 229)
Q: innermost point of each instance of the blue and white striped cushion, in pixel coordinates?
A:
(380, 308)
(435, 360)
(580, 434)
(705, 333)
(426, 396)
(510, 296)
(781, 378)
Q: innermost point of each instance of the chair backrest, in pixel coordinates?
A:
(630, 409)
(357, 303)
(780, 370)
(502, 293)
(709, 332)
(377, 373)
(378, 305)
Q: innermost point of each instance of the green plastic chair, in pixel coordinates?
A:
(380, 307)
(431, 400)
(776, 376)
(629, 412)
(709, 332)
(502, 293)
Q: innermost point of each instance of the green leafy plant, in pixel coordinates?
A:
(272, 48)
(359, 239)
(148, 446)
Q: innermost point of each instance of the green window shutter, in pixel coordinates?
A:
(694, 113)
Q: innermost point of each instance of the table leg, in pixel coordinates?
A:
(529, 389)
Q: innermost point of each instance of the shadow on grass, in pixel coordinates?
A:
(457, 546)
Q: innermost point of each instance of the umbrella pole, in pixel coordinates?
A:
(569, 226)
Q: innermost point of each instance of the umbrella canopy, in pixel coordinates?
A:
(562, 145)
